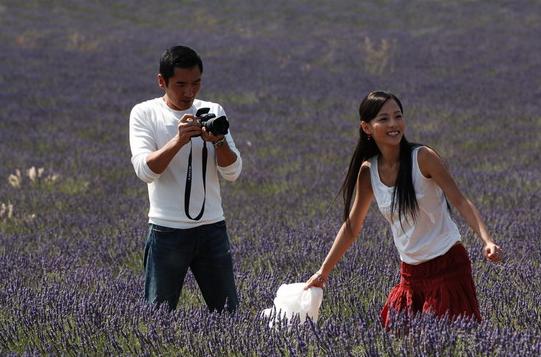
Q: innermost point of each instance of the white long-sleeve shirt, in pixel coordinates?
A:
(152, 125)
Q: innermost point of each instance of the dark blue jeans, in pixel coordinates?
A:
(169, 252)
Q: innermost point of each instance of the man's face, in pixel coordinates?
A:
(182, 88)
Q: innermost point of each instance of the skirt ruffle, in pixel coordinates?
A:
(442, 286)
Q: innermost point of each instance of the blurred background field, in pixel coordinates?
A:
(290, 76)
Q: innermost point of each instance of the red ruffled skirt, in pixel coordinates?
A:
(443, 285)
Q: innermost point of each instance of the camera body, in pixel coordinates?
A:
(212, 124)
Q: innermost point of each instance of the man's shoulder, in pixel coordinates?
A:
(144, 114)
(147, 105)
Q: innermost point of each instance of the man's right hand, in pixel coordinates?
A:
(158, 160)
(188, 127)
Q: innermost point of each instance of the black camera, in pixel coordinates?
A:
(216, 126)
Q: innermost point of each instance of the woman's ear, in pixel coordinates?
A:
(366, 127)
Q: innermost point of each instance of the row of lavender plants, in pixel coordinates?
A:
(290, 76)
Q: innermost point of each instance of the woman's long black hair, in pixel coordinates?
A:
(404, 193)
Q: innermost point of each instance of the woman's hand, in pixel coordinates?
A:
(317, 280)
(493, 252)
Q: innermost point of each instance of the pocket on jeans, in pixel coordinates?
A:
(167, 243)
(161, 229)
(163, 237)
(220, 224)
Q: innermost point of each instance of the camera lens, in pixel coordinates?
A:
(217, 126)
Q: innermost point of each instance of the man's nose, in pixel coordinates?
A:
(189, 92)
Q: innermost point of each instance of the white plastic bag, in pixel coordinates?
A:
(292, 300)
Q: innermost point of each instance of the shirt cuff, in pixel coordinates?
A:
(231, 172)
(142, 169)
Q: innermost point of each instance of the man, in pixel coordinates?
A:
(179, 159)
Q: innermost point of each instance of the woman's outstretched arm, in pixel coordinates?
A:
(348, 233)
(432, 166)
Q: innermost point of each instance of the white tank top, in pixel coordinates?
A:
(433, 232)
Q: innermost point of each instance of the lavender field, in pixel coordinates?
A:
(290, 76)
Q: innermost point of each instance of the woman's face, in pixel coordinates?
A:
(388, 127)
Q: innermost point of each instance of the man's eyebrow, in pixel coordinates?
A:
(184, 82)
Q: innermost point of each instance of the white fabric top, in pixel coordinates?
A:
(152, 125)
(433, 233)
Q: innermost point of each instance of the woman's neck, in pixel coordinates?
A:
(390, 155)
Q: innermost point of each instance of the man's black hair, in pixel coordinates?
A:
(181, 57)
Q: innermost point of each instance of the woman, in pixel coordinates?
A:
(412, 188)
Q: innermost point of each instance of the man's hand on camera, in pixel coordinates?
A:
(187, 128)
(208, 136)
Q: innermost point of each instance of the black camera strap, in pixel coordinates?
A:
(188, 189)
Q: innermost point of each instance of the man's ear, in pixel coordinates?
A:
(366, 128)
(161, 81)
